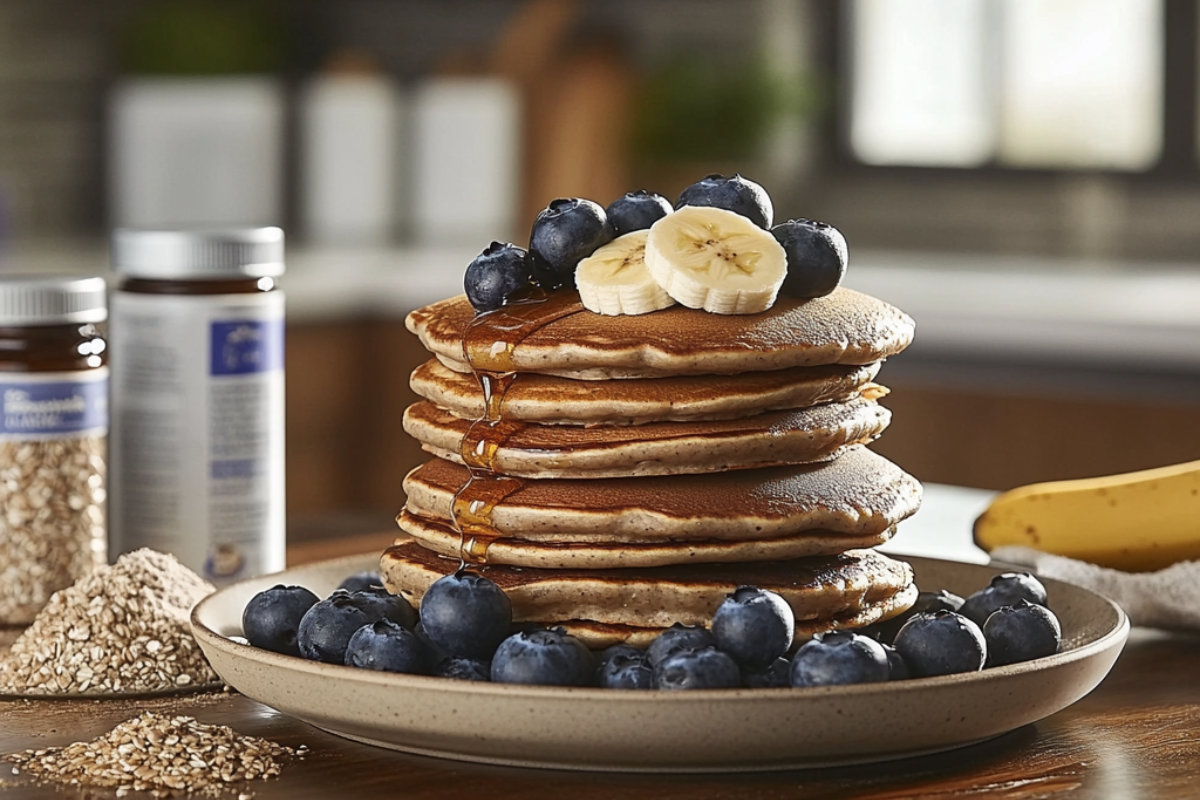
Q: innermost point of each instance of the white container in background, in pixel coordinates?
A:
(466, 154)
(349, 157)
(196, 151)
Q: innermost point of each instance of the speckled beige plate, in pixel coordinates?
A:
(709, 731)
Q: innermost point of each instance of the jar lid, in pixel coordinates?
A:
(198, 254)
(51, 299)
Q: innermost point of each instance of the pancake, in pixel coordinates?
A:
(440, 537)
(854, 588)
(799, 436)
(860, 493)
(550, 400)
(844, 327)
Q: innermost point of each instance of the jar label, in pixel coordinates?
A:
(53, 405)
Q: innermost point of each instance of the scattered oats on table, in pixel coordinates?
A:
(121, 629)
(163, 755)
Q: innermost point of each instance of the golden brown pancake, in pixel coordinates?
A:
(440, 537)
(550, 400)
(860, 493)
(845, 327)
(851, 589)
(799, 436)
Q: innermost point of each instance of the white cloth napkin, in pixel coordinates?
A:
(1169, 598)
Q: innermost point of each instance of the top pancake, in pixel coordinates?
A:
(845, 327)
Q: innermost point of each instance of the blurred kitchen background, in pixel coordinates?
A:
(1022, 176)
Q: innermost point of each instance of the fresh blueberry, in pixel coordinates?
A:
(703, 668)
(886, 631)
(1021, 632)
(326, 628)
(545, 657)
(637, 211)
(437, 654)
(941, 643)
(753, 626)
(497, 275)
(564, 233)
(272, 618)
(464, 669)
(388, 647)
(839, 657)
(897, 668)
(466, 615)
(626, 672)
(816, 257)
(360, 581)
(775, 675)
(678, 637)
(736, 194)
(1004, 590)
(381, 604)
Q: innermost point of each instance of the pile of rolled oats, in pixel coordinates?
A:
(121, 629)
(51, 520)
(161, 755)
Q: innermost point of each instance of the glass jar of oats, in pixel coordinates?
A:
(53, 426)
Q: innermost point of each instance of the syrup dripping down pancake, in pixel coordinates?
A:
(806, 435)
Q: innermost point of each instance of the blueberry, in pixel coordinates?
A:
(360, 581)
(775, 675)
(609, 653)
(564, 233)
(381, 604)
(386, 646)
(839, 657)
(437, 654)
(941, 643)
(466, 615)
(701, 668)
(678, 637)
(753, 626)
(626, 672)
(327, 627)
(736, 194)
(545, 657)
(272, 618)
(497, 275)
(1021, 632)
(636, 211)
(463, 669)
(816, 257)
(1004, 590)
(897, 668)
(886, 631)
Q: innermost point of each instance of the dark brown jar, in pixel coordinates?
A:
(197, 398)
(53, 429)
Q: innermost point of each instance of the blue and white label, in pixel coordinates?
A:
(246, 347)
(52, 405)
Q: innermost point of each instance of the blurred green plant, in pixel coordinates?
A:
(202, 37)
(699, 109)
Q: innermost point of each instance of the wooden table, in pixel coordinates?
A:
(1136, 736)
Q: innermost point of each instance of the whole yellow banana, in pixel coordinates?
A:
(1137, 521)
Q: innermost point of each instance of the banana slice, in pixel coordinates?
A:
(614, 279)
(715, 259)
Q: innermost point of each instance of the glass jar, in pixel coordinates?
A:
(53, 427)
(198, 437)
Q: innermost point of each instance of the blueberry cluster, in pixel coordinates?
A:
(465, 631)
(571, 229)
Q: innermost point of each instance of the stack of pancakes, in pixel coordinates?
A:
(620, 474)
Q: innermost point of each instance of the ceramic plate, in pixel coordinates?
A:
(702, 731)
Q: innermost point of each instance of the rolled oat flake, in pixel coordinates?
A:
(53, 428)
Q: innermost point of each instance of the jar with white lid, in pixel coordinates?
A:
(53, 429)
(198, 398)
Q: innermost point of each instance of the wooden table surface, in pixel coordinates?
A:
(1136, 736)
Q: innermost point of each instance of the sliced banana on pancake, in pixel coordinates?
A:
(614, 280)
(715, 259)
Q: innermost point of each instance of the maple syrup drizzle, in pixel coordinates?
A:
(488, 346)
